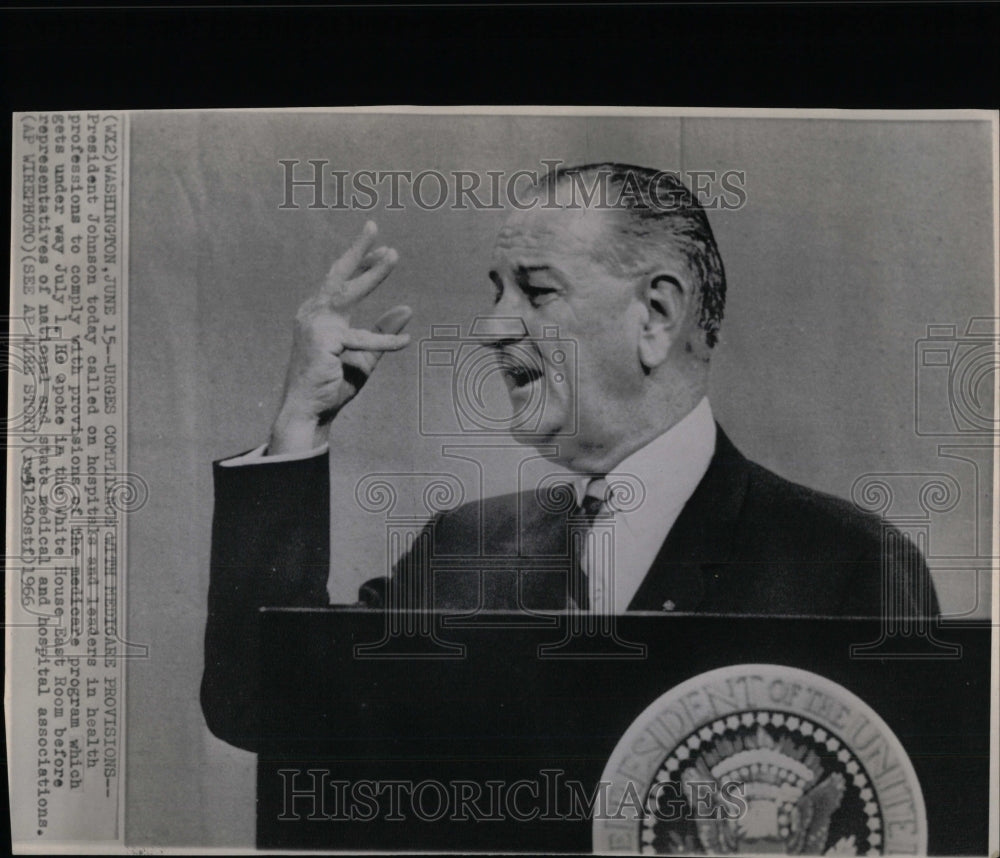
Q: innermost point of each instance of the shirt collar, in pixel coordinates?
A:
(671, 465)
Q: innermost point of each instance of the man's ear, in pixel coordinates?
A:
(666, 296)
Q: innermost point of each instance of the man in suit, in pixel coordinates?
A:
(636, 281)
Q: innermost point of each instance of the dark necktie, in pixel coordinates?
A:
(593, 504)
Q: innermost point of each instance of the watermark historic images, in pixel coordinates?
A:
(315, 184)
(318, 795)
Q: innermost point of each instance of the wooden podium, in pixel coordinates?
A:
(355, 696)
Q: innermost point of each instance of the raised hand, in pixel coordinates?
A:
(330, 360)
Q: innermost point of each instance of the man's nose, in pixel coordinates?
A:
(498, 330)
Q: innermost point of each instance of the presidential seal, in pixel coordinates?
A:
(760, 759)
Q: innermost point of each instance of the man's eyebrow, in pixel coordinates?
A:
(520, 271)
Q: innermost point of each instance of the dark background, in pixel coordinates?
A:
(899, 55)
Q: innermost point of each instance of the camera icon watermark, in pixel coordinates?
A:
(496, 380)
(956, 378)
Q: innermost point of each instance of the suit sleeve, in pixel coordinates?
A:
(893, 582)
(270, 548)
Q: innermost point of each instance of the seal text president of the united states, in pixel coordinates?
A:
(639, 286)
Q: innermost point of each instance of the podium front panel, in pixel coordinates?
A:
(491, 733)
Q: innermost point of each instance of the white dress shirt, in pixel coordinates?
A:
(668, 470)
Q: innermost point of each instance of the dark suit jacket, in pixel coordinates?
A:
(746, 542)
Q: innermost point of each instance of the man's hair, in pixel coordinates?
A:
(660, 215)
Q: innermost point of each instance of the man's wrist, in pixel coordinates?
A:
(295, 434)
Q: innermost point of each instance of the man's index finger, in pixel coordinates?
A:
(343, 269)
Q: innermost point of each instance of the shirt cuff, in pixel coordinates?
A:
(257, 457)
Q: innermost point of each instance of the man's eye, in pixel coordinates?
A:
(538, 295)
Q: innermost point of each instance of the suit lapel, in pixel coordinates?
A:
(701, 538)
